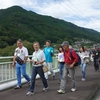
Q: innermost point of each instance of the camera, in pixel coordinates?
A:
(35, 63)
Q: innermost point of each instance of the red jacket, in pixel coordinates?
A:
(67, 57)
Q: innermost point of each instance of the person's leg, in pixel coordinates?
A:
(95, 65)
(84, 70)
(18, 73)
(46, 75)
(64, 78)
(61, 69)
(23, 72)
(72, 73)
(50, 69)
(33, 76)
(41, 73)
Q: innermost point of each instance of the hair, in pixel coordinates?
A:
(36, 43)
(59, 49)
(48, 41)
(83, 49)
(19, 40)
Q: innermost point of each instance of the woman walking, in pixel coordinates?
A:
(61, 61)
(84, 57)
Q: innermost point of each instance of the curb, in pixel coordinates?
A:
(95, 87)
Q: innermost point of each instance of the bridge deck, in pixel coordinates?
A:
(85, 90)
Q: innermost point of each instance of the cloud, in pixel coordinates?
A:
(83, 13)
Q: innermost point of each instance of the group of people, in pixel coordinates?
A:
(67, 59)
(38, 58)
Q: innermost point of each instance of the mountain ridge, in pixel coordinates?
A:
(16, 22)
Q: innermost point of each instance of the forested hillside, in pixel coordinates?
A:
(16, 22)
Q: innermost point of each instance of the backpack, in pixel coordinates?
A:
(79, 59)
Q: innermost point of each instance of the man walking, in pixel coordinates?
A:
(38, 59)
(96, 56)
(69, 67)
(49, 52)
(20, 58)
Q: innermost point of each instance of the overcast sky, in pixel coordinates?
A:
(84, 13)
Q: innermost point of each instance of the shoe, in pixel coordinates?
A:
(61, 91)
(18, 87)
(69, 76)
(53, 77)
(73, 89)
(83, 79)
(29, 93)
(45, 89)
(29, 83)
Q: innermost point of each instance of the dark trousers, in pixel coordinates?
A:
(35, 71)
(96, 64)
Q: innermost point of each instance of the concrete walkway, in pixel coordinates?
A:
(85, 90)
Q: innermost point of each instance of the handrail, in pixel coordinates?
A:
(8, 73)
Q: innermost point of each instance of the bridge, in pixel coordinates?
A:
(85, 90)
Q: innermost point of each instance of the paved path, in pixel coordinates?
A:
(85, 90)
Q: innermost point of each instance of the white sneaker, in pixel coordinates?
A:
(45, 89)
(69, 76)
(29, 93)
(61, 91)
(73, 89)
(83, 79)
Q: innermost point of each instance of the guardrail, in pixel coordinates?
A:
(8, 73)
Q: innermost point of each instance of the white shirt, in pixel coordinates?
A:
(61, 57)
(38, 56)
(22, 53)
(83, 55)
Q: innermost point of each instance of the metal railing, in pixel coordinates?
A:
(8, 73)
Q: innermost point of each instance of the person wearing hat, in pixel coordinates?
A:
(68, 67)
(49, 52)
(19, 60)
(96, 56)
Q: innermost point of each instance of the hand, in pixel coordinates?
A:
(31, 61)
(71, 66)
(24, 62)
(37, 62)
(13, 64)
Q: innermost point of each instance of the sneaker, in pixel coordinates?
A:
(73, 89)
(45, 89)
(18, 87)
(53, 77)
(61, 91)
(83, 79)
(69, 76)
(29, 93)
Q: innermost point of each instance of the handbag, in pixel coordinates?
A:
(86, 60)
(45, 68)
(19, 60)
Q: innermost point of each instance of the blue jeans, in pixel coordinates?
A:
(83, 68)
(35, 71)
(21, 69)
(61, 69)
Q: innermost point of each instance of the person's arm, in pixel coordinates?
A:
(13, 63)
(26, 55)
(52, 51)
(75, 58)
(43, 59)
(25, 59)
